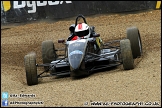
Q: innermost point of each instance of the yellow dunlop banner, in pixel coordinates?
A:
(6, 5)
(158, 5)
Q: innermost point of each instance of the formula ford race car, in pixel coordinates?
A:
(84, 53)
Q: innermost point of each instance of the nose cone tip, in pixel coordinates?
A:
(78, 73)
(75, 64)
(75, 69)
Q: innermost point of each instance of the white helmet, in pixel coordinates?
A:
(82, 30)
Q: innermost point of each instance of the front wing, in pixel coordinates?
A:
(93, 62)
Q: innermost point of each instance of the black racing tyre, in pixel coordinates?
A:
(126, 54)
(136, 45)
(48, 52)
(31, 69)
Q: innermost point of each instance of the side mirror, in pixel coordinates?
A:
(61, 40)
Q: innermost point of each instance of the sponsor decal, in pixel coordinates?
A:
(30, 4)
(75, 52)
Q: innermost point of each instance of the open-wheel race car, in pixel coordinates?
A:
(84, 52)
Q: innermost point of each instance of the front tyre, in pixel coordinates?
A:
(31, 69)
(126, 54)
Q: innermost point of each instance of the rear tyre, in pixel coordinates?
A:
(48, 52)
(136, 45)
(126, 54)
(31, 69)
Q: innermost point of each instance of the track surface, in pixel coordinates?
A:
(142, 84)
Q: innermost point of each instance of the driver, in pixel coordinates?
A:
(82, 30)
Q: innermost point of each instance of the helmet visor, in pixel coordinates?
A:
(82, 33)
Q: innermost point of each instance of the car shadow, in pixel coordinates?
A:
(60, 77)
(95, 72)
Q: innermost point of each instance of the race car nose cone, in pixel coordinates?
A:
(75, 60)
(75, 66)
